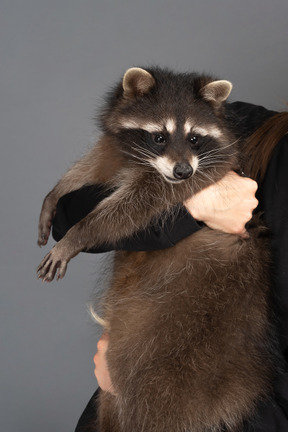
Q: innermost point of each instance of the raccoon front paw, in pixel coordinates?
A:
(54, 263)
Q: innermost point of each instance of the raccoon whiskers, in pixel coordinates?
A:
(231, 144)
(216, 151)
(204, 175)
(144, 151)
(211, 162)
(213, 154)
(139, 159)
(213, 166)
(142, 158)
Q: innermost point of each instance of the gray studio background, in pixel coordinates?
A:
(57, 59)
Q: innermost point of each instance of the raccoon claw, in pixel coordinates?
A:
(43, 239)
(44, 227)
(52, 265)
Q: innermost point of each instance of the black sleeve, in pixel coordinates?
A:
(272, 196)
(73, 207)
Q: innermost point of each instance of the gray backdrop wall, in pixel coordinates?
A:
(57, 58)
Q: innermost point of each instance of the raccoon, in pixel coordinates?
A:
(191, 341)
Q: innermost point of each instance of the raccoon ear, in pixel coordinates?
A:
(216, 91)
(137, 82)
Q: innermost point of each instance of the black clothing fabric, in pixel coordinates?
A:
(74, 206)
(88, 421)
(273, 199)
(272, 196)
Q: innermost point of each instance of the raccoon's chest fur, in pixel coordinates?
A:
(189, 333)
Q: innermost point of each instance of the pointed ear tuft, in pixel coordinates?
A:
(137, 82)
(216, 91)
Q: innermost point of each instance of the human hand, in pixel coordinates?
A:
(226, 205)
(101, 369)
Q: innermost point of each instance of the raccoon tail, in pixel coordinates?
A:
(260, 145)
(96, 318)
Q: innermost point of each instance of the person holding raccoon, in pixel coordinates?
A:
(224, 206)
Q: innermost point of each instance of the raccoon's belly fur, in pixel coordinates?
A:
(189, 335)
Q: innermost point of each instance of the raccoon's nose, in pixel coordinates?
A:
(182, 170)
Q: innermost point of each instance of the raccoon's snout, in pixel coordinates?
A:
(182, 171)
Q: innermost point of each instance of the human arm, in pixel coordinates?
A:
(74, 206)
(226, 205)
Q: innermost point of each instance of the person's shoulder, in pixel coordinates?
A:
(273, 189)
(279, 159)
(247, 108)
(247, 117)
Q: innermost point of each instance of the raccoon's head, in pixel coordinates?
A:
(172, 122)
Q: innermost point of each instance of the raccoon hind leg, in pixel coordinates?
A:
(83, 172)
(45, 220)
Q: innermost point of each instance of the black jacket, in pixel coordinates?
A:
(272, 195)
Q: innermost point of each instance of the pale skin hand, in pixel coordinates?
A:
(226, 205)
(101, 369)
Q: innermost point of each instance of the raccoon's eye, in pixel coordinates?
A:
(193, 139)
(159, 139)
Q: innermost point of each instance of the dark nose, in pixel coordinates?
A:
(182, 170)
